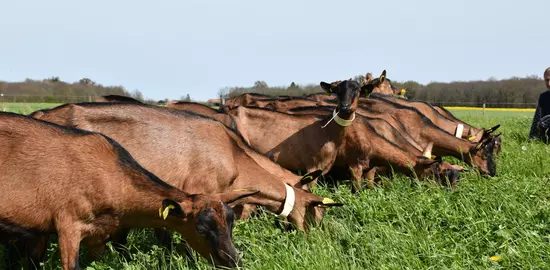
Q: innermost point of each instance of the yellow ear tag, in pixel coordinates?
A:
(327, 201)
(307, 177)
(403, 91)
(433, 157)
(328, 94)
(160, 211)
(471, 138)
(166, 211)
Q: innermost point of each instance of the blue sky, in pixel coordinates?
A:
(171, 48)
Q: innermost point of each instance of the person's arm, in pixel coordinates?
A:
(534, 132)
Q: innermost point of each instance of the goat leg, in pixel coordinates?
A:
(69, 244)
(356, 177)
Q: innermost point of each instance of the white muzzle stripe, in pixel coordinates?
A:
(289, 201)
(459, 130)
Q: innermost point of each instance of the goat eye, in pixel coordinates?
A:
(201, 229)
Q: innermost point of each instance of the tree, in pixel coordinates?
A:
(53, 79)
(187, 98)
(223, 92)
(260, 84)
(136, 94)
(86, 81)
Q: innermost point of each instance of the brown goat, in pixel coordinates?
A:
(86, 185)
(309, 143)
(234, 124)
(194, 153)
(431, 112)
(409, 121)
(380, 85)
(383, 88)
(389, 132)
(423, 130)
(420, 130)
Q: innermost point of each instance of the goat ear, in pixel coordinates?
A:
(382, 77)
(236, 195)
(329, 88)
(369, 77)
(491, 130)
(170, 208)
(458, 168)
(326, 202)
(308, 178)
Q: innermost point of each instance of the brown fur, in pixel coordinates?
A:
(189, 151)
(243, 100)
(194, 107)
(381, 85)
(228, 120)
(85, 186)
(411, 123)
(384, 128)
(419, 131)
(424, 131)
(439, 117)
(234, 124)
(299, 142)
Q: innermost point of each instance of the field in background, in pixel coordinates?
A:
(400, 225)
(26, 108)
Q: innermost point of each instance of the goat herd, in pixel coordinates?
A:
(89, 172)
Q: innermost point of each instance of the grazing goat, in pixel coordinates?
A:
(86, 185)
(309, 142)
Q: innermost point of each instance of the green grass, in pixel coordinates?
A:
(400, 226)
(26, 108)
(490, 114)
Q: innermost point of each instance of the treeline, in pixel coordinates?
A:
(57, 91)
(513, 92)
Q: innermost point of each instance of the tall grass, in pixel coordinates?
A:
(401, 225)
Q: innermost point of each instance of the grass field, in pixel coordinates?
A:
(486, 223)
(26, 108)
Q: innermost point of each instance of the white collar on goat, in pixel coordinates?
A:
(340, 121)
(459, 130)
(289, 201)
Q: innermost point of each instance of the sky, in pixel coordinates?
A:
(170, 48)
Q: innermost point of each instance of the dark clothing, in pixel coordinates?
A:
(538, 128)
